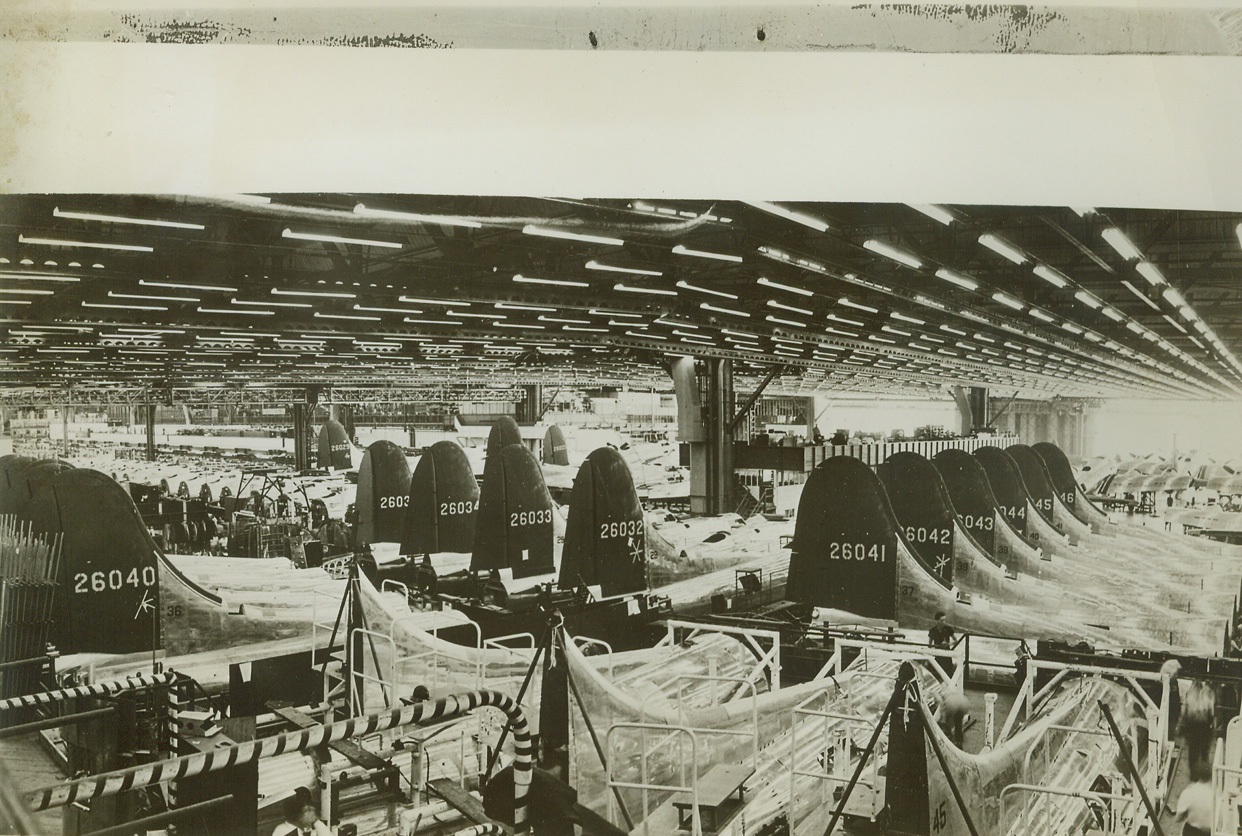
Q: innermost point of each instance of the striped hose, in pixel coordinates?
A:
(98, 689)
(111, 783)
(481, 830)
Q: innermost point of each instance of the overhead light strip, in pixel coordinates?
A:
(117, 219)
(682, 249)
(95, 245)
(547, 232)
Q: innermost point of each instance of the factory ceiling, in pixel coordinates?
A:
(124, 293)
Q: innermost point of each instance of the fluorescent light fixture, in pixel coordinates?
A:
(840, 332)
(1188, 313)
(722, 294)
(772, 303)
(1134, 326)
(444, 302)
(1113, 314)
(266, 304)
(1173, 297)
(950, 329)
(386, 310)
(1088, 299)
(125, 307)
(95, 245)
(414, 321)
(1008, 301)
(36, 277)
(235, 311)
(789, 214)
(519, 324)
(1040, 315)
(910, 319)
(1151, 272)
(27, 302)
(984, 337)
(1094, 337)
(361, 318)
(180, 286)
(1175, 324)
(21, 291)
(891, 252)
(582, 328)
(338, 239)
(470, 315)
(647, 336)
(682, 249)
(953, 277)
(1140, 294)
(598, 312)
(116, 295)
(999, 245)
(117, 219)
(874, 338)
(786, 287)
(844, 300)
(891, 330)
(1053, 277)
(844, 321)
(779, 321)
(546, 232)
(543, 318)
(710, 307)
(634, 271)
(1119, 242)
(654, 291)
(513, 306)
(558, 282)
(442, 220)
(936, 213)
(326, 294)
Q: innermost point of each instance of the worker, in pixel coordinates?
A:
(1195, 808)
(941, 634)
(301, 816)
(951, 715)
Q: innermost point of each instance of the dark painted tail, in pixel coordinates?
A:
(109, 595)
(844, 551)
(504, 432)
(334, 447)
(444, 498)
(554, 449)
(513, 528)
(923, 508)
(605, 538)
(383, 493)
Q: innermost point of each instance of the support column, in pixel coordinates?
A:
(65, 414)
(302, 410)
(711, 436)
(149, 417)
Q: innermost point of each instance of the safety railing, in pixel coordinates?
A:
(768, 658)
(433, 663)
(739, 684)
(1157, 714)
(686, 784)
(359, 677)
(834, 753)
(1227, 782)
(1116, 818)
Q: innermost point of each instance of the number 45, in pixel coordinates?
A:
(940, 817)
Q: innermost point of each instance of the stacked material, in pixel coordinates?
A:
(28, 567)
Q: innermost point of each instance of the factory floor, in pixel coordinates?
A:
(30, 767)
